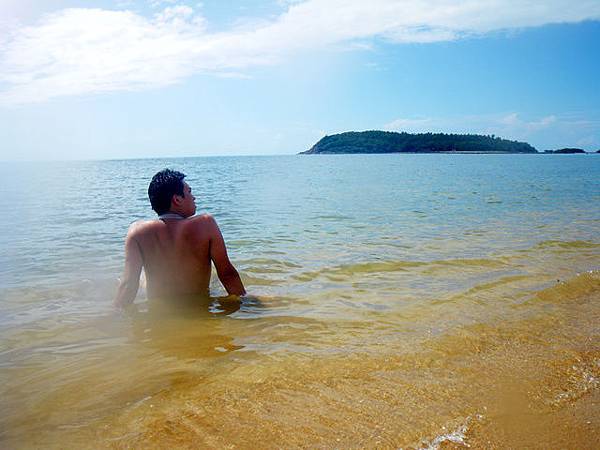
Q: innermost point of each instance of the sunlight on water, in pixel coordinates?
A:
(414, 301)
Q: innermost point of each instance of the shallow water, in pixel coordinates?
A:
(398, 301)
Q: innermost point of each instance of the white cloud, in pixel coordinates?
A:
(545, 132)
(515, 124)
(123, 4)
(235, 75)
(81, 51)
(158, 3)
(178, 12)
(503, 124)
(589, 142)
(414, 125)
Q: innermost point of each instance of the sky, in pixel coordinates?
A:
(111, 79)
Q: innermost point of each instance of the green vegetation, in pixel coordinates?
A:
(565, 150)
(391, 142)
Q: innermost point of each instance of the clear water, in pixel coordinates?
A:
(387, 291)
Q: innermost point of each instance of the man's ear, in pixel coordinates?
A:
(176, 200)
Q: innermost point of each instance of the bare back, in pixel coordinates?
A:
(176, 251)
(175, 255)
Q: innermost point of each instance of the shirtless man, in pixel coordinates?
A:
(177, 249)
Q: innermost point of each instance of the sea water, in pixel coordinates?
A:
(397, 301)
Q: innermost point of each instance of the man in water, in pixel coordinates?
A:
(177, 249)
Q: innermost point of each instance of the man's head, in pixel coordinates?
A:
(169, 193)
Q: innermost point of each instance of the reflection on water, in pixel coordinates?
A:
(422, 304)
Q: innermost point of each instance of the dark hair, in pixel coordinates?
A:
(164, 185)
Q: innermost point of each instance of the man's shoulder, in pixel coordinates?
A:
(204, 224)
(139, 226)
(203, 219)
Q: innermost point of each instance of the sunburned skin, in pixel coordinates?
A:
(176, 253)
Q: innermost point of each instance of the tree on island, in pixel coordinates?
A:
(565, 151)
(392, 142)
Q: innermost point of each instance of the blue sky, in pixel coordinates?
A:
(135, 79)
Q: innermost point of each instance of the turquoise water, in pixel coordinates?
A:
(343, 254)
(296, 214)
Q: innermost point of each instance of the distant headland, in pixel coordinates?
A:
(392, 142)
(563, 151)
(376, 141)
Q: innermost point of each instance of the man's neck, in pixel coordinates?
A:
(171, 215)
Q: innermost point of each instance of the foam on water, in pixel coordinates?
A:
(456, 436)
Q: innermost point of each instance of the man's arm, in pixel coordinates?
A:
(130, 281)
(225, 270)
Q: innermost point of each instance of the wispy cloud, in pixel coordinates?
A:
(566, 131)
(414, 125)
(82, 51)
(158, 3)
(511, 124)
(514, 123)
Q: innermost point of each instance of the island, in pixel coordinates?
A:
(392, 142)
(563, 151)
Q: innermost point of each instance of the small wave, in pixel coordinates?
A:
(333, 217)
(581, 378)
(566, 244)
(359, 268)
(249, 242)
(456, 436)
(472, 262)
(430, 267)
(269, 262)
(493, 201)
(78, 348)
(258, 281)
(261, 269)
(483, 287)
(576, 289)
(84, 220)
